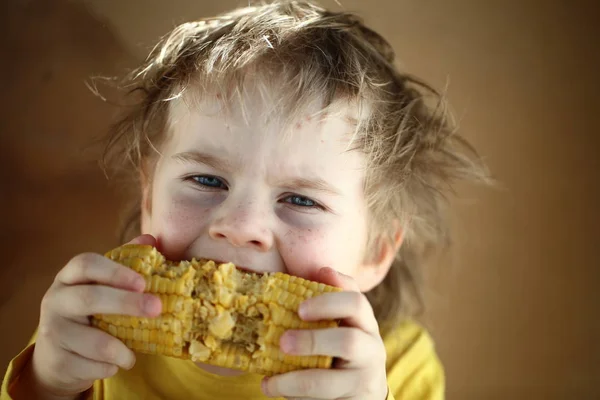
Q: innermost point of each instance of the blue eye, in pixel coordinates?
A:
(209, 181)
(301, 201)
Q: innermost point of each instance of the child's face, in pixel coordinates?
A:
(238, 192)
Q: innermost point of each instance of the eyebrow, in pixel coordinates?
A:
(292, 183)
(315, 183)
(198, 157)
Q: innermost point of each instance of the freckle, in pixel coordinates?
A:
(218, 96)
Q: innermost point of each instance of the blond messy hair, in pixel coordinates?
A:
(413, 151)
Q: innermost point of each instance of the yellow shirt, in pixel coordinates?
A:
(414, 372)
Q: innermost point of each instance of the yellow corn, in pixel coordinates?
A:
(216, 314)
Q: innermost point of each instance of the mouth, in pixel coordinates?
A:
(239, 267)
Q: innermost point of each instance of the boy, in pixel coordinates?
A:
(280, 138)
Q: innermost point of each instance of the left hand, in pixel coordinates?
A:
(359, 371)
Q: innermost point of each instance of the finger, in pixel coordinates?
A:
(331, 277)
(95, 268)
(85, 300)
(312, 383)
(74, 373)
(145, 239)
(83, 369)
(356, 347)
(350, 344)
(94, 344)
(351, 307)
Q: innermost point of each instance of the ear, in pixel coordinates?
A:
(376, 266)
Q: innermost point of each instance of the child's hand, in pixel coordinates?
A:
(359, 370)
(69, 353)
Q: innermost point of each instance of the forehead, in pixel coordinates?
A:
(253, 120)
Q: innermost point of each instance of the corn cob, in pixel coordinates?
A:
(216, 314)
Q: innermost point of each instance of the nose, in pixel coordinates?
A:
(244, 226)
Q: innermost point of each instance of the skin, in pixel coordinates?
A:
(69, 354)
(247, 206)
(232, 191)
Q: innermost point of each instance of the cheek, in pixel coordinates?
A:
(177, 222)
(305, 225)
(306, 251)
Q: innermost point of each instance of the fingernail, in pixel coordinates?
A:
(287, 342)
(128, 361)
(151, 304)
(139, 283)
(263, 385)
(302, 310)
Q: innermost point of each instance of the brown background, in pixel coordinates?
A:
(514, 308)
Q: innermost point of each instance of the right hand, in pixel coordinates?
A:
(69, 353)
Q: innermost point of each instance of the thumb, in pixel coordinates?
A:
(145, 239)
(331, 277)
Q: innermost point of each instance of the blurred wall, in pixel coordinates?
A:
(514, 308)
(54, 200)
